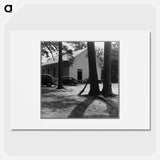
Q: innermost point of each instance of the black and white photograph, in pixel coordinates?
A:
(79, 79)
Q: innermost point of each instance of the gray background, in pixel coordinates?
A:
(79, 17)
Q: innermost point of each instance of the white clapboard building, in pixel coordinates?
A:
(78, 69)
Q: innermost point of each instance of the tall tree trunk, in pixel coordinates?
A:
(94, 87)
(107, 90)
(60, 84)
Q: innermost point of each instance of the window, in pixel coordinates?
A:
(48, 70)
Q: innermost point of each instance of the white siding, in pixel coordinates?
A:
(81, 62)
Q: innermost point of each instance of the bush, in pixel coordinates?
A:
(114, 71)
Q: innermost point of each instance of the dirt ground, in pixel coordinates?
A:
(65, 103)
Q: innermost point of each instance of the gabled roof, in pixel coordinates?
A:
(65, 57)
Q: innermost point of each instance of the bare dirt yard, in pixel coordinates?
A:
(65, 103)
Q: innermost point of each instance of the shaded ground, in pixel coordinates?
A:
(65, 103)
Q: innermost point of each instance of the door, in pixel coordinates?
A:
(79, 74)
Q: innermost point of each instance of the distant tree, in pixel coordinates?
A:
(94, 87)
(107, 90)
(69, 54)
(78, 45)
(115, 48)
(49, 48)
(114, 70)
(100, 56)
(115, 62)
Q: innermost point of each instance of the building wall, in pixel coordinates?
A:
(81, 62)
(52, 69)
(65, 69)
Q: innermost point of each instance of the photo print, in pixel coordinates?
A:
(80, 79)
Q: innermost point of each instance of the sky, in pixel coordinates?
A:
(99, 45)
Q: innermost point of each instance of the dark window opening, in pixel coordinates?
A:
(79, 74)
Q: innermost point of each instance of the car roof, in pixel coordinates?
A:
(46, 75)
(67, 77)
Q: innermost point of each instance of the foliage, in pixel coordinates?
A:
(114, 60)
(70, 56)
(51, 49)
(78, 45)
(114, 71)
(100, 56)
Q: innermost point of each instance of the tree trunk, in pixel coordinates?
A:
(107, 90)
(60, 84)
(93, 78)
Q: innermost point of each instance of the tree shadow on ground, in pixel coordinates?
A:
(77, 106)
(112, 107)
(79, 110)
(60, 102)
(54, 89)
(98, 116)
